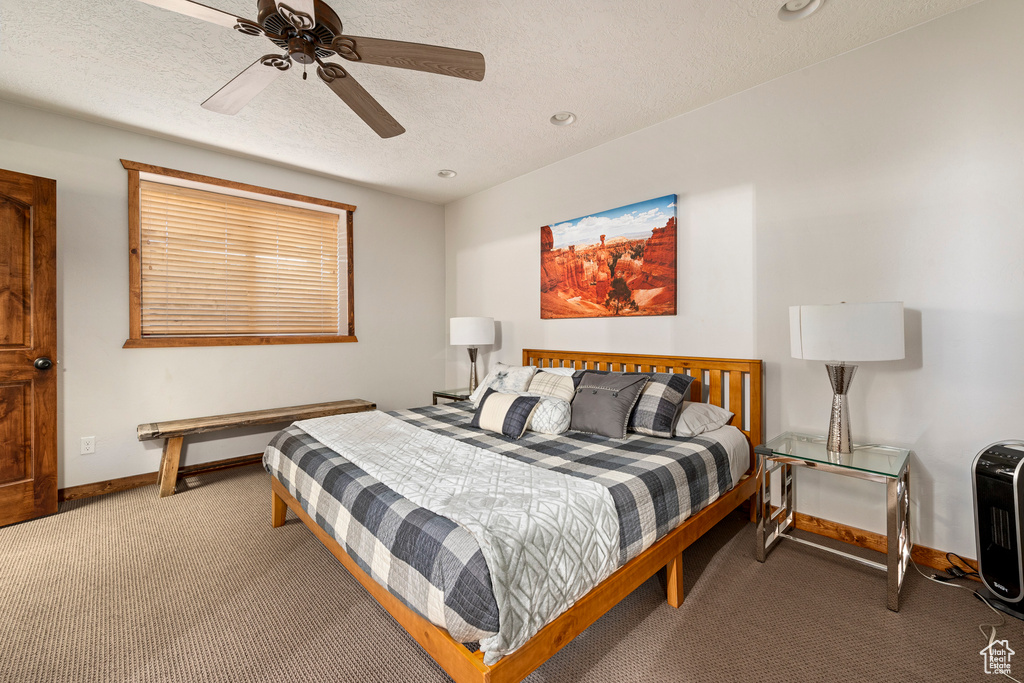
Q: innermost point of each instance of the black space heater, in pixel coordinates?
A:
(999, 523)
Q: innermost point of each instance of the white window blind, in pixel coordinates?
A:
(219, 265)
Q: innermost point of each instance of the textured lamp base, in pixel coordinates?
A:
(472, 369)
(841, 376)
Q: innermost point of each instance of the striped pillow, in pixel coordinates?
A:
(655, 412)
(550, 384)
(506, 414)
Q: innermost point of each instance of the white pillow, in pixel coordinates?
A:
(552, 416)
(565, 372)
(506, 379)
(697, 418)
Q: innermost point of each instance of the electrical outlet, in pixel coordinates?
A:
(88, 445)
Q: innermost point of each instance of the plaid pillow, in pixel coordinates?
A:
(659, 404)
(506, 414)
(550, 384)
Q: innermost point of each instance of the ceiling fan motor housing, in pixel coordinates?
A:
(328, 26)
(301, 51)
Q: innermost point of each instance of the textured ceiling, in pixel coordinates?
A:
(620, 66)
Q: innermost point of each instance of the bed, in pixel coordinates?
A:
(458, 600)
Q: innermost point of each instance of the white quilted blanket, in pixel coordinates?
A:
(548, 538)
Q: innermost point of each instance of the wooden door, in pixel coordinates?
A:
(28, 346)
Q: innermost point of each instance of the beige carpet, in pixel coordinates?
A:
(198, 587)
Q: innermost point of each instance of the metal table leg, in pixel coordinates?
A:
(762, 500)
(898, 537)
(773, 524)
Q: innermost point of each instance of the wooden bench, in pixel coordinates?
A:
(175, 431)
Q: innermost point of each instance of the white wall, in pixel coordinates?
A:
(493, 252)
(105, 391)
(894, 172)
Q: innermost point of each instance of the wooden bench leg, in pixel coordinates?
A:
(168, 476)
(674, 579)
(279, 509)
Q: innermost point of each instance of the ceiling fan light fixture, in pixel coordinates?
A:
(563, 118)
(446, 173)
(795, 10)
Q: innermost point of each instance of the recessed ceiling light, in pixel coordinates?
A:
(563, 118)
(794, 10)
(446, 173)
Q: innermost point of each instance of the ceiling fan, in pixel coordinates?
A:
(310, 32)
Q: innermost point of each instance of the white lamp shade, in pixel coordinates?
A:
(847, 332)
(472, 331)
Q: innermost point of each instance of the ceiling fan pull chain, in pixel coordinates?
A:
(303, 72)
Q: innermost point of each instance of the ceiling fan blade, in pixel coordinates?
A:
(360, 101)
(197, 10)
(434, 59)
(299, 13)
(239, 90)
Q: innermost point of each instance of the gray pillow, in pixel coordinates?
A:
(697, 418)
(603, 403)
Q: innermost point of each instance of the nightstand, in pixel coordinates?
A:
(452, 394)
(873, 462)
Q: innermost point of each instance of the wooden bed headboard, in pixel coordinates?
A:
(733, 383)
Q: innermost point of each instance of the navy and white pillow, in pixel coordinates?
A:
(656, 410)
(506, 414)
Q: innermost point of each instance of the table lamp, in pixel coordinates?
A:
(472, 332)
(837, 333)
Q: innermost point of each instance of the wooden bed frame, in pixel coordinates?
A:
(735, 384)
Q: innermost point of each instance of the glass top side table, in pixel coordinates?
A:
(873, 462)
(451, 394)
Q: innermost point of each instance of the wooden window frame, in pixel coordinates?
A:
(135, 338)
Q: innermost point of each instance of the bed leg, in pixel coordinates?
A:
(753, 509)
(279, 510)
(674, 579)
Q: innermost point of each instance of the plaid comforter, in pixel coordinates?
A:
(433, 565)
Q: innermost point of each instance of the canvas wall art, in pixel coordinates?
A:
(620, 262)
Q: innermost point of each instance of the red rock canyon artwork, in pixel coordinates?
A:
(615, 263)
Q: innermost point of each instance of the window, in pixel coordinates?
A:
(214, 262)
